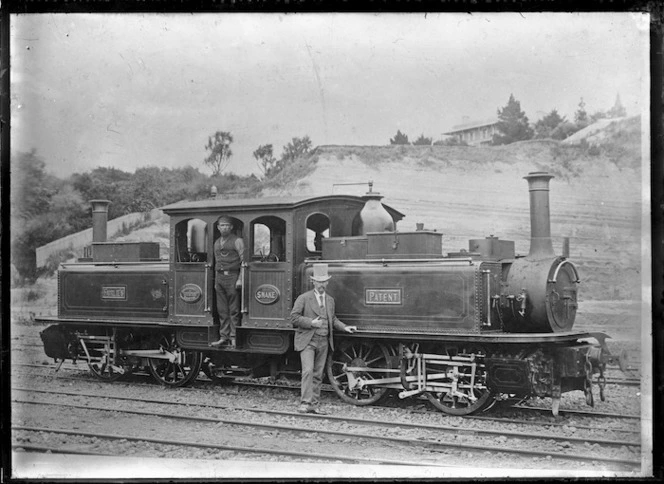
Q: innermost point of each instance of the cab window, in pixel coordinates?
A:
(268, 239)
(318, 228)
(191, 241)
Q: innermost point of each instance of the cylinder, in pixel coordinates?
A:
(99, 219)
(540, 221)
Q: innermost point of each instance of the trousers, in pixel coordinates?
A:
(313, 358)
(228, 304)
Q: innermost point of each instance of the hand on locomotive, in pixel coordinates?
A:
(314, 319)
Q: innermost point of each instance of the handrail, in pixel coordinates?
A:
(110, 263)
(206, 303)
(555, 274)
(384, 261)
(488, 296)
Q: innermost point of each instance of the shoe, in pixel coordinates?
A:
(221, 342)
(304, 408)
(317, 410)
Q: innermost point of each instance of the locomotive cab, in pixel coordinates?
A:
(279, 235)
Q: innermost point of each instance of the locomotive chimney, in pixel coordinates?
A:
(540, 222)
(99, 219)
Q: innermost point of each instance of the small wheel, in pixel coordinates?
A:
(213, 372)
(466, 400)
(180, 372)
(358, 354)
(104, 371)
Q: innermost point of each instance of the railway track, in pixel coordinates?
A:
(430, 437)
(252, 384)
(174, 445)
(580, 412)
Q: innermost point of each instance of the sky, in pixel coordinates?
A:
(133, 90)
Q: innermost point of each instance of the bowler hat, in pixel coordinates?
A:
(320, 273)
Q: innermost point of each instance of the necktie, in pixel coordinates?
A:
(321, 304)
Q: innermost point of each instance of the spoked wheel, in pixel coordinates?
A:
(184, 368)
(100, 350)
(468, 393)
(104, 371)
(357, 354)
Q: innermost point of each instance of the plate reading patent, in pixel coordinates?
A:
(382, 296)
(118, 293)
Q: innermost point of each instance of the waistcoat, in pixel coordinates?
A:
(226, 257)
(324, 329)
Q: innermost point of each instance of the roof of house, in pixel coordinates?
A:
(471, 125)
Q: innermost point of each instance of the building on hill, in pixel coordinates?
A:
(474, 132)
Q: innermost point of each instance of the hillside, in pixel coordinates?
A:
(473, 192)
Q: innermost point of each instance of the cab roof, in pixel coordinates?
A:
(264, 204)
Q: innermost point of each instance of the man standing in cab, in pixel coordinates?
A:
(229, 267)
(314, 318)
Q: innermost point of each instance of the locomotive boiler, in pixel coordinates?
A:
(463, 329)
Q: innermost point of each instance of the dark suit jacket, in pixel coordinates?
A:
(305, 310)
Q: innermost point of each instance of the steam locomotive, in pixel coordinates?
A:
(464, 329)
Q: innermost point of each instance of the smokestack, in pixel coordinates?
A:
(540, 222)
(99, 219)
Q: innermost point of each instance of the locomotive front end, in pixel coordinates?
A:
(540, 293)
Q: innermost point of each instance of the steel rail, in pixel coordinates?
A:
(286, 387)
(426, 444)
(579, 412)
(249, 450)
(391, 424)
(548, 424)
(56, 450)
(329, 390)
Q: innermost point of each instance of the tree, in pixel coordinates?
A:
(220, 151)
(581, 115)
(31, 187)
(512, 124)
(399, 139)
(146, 189)
(545, 126)
(423, 141)
(564, 129)
(44, 208)
(265, 159)
(297, 148)
(618, 110)
(104, 183)
(597, 116)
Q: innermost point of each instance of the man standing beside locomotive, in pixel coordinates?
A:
(229, 268)
(314, 318)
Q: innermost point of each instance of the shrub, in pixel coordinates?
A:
(54, 260)
(32, 295)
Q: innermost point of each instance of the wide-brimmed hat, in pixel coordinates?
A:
(320, 273)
